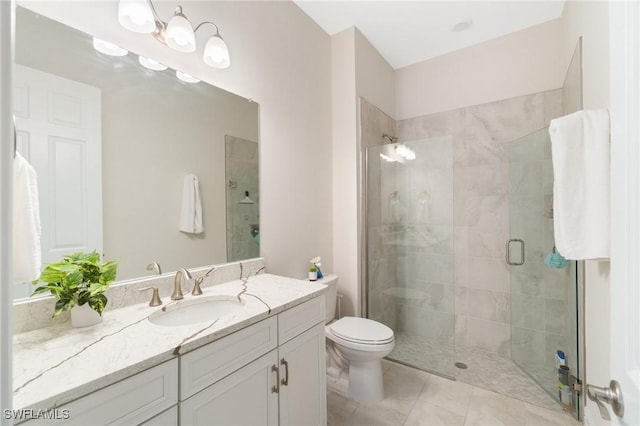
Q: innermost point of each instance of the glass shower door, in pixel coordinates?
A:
(544, 298)
(409, 249)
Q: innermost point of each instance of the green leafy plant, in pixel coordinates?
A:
(78, 279)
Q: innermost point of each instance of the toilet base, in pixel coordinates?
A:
(365, 381)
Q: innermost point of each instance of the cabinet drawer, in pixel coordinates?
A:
(207, 365)
(300, 318)
(128, 402)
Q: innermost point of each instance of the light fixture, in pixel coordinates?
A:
(216, 53)
(108, 48)
(136, 16)
(187, 78)
(151, 64)
(178, 34)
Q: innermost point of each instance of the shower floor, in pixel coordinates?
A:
(486, 369)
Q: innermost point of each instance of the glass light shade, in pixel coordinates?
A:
(187, 78)
(108, 48)
(216, 53)
(179, 34)
(136, 16)
(151, 64)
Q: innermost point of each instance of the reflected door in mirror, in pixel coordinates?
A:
(59, 133)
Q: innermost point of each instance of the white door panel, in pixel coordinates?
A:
(624, 349)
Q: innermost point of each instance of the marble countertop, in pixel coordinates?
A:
(57, 364)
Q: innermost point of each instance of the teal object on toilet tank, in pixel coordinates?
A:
(556, 260)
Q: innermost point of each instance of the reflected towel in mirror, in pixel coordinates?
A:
(27, 252)
(191, 208)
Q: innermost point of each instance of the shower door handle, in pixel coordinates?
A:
(515, 240)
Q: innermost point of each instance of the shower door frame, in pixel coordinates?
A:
(364, 234)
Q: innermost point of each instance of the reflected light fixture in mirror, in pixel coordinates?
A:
(151, 64)
(187, 78)
(108, 48)
(140, 16)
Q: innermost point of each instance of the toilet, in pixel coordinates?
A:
(355, 348)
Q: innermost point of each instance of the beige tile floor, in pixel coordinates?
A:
(414, 397)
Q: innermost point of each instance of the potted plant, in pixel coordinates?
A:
(313, 273)
(78, 283)
(314, 270)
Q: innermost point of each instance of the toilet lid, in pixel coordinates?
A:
(362, 330)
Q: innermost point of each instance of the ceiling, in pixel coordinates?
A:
(407, 32)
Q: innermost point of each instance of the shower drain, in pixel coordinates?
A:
(461, 365)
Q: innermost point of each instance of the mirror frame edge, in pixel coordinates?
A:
(7, 35)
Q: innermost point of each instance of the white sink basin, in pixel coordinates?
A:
(193, 311)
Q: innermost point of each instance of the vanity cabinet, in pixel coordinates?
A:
(269, 373)
(284, 385)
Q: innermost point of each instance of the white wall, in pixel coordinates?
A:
(290, 77)
(375, 78)
(345, 160)
(358, 70)
(521, 63)
(591, 21)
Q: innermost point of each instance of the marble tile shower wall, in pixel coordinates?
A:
(481, 212)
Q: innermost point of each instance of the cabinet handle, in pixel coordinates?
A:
(276, 388)
(285, 381)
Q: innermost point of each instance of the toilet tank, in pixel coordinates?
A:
(330, 296)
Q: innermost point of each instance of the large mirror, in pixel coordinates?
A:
(116, 147)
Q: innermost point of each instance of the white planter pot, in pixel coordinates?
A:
(84, 316)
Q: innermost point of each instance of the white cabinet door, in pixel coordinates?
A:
(246, 397)
(302, 385)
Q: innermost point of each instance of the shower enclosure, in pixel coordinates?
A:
(410, 254)
(455, 265)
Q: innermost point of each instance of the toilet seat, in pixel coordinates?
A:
(361, 331)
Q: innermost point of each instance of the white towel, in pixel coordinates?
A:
(191, 208)
(27, 252)
(581, 187)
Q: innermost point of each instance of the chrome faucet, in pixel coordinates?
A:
(181, 275)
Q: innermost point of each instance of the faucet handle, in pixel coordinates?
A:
(155, 298)
(197, 291)
(155, 267)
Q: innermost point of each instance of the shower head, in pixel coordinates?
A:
(391, 139)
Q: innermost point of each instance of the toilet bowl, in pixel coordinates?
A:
(355, 347)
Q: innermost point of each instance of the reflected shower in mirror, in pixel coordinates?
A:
(243, 230)
(112, 141)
